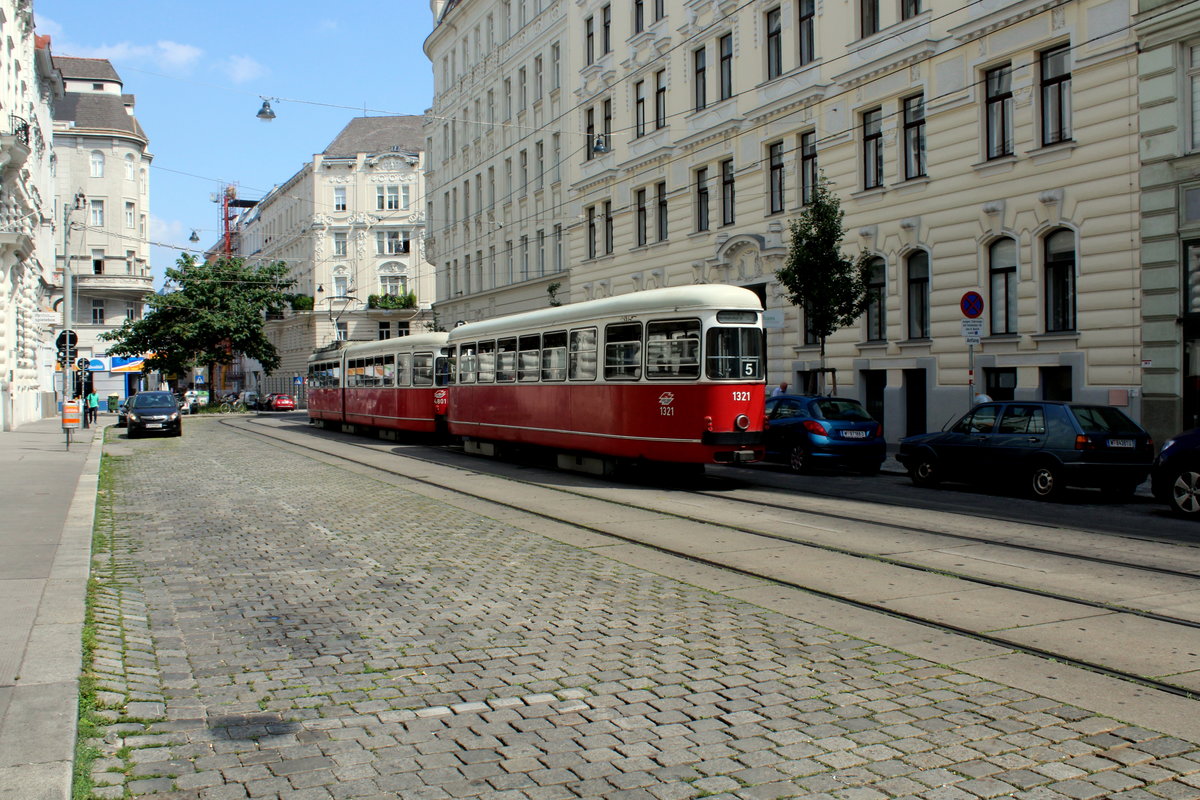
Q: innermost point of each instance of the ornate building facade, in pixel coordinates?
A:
(986, 147)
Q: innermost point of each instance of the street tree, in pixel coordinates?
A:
(829, 286)
(214, 312)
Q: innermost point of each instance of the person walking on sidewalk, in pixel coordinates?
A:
(93, 406)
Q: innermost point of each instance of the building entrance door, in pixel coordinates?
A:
(915, 412)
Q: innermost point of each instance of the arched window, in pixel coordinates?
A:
(130, 171)
(1002, 283)
(97, 164)
(918, 295)
(1060, 281)
(876, 300)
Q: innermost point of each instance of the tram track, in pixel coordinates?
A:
(723, 543)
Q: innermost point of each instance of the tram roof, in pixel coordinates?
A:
(697, 297)
(382, 346)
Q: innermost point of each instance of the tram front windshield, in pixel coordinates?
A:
(734, 354)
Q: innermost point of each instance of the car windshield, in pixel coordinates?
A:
(839, 410)
(1102, 419)
(153, 400)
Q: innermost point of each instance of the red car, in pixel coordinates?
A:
(280, 402)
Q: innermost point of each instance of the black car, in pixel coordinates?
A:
(1175, 478)
(1046, 446)
(153, 412)
(808, 431)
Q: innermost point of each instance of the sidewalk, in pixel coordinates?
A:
(48, 497)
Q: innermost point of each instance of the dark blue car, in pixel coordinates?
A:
(808, 432)
(1044, 445)
(1175, 479)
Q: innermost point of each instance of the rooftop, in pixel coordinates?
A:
(378, 135)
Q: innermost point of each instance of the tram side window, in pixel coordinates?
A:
(582, 355)
(734, 354)
(445, 366)
(673, 348)
(554, 356)
(528, 358)
(404, 369)
(422, 369)
(389, 370)
(506, 360)
(623, 351)
(487, 362)
(468, 363)
(353, 371)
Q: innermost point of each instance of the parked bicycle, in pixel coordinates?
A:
(235, 406)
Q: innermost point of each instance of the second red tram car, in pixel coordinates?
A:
(662, 375)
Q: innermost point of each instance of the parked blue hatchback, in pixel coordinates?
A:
(808, 432)
(1175, 479)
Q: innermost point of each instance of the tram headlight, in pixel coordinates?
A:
(742, 422)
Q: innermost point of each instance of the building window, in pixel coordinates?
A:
(909, 8)
(97, 262)
(589, 40)
(998, 114)
(725, 48)
(555, 63)
(606, 27)
(774, 43)
(872, 126)
(97, 162)
(918, 295)
(130, 310)
(339, 244)
(129, 170)
(1056, 95)
(130, 216)
(699, 73)
(775, 177)
(640, 223)
(393, 285)
(609, 243)
(385, 330)
(808, 166)
(660, 198)
(660, 9)
(558, 248)
(702, 199)
(541, 252)
(1060, 281)
(339, 198)
(589, 129)
(391, 242)
(727, 197)
(387, 198)
(538, 70)
(869, 16)
(606, 109)
(639, 16)
(876, 301)
(914, 137)
(660, 99)
(341, 331)
(591, 232)
(639, 108)
(97, 312)
(97, 213)
(808, 42)
(1002, 284)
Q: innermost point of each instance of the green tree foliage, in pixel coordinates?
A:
(828, 285)
(215, 312)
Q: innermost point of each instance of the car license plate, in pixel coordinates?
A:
(1121, 443)
(153, 424)
(854, 434)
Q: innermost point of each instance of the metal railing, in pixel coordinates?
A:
(19, 127)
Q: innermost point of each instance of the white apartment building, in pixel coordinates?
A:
(29, 85)
(102, 189)
(350, 224)
(1169, 105)
(987, 147)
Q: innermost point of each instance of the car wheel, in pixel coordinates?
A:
(797, 459)
(1185, 493)
(1045, 482)
(925, 472)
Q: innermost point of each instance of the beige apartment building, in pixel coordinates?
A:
(102, 188)
(986, 147)
(350, 225)
(29, 85)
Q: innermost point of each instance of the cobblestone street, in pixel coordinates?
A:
(269, 626)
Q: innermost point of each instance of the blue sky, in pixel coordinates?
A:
(199, 71)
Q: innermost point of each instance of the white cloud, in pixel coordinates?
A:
(241, 69)
(168, 231)
(175, 54)
(166, 55)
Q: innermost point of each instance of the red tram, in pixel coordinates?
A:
(663, 375)
(392, 384)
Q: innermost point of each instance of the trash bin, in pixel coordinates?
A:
(113, 400)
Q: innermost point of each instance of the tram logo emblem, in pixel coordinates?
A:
(666, 398)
